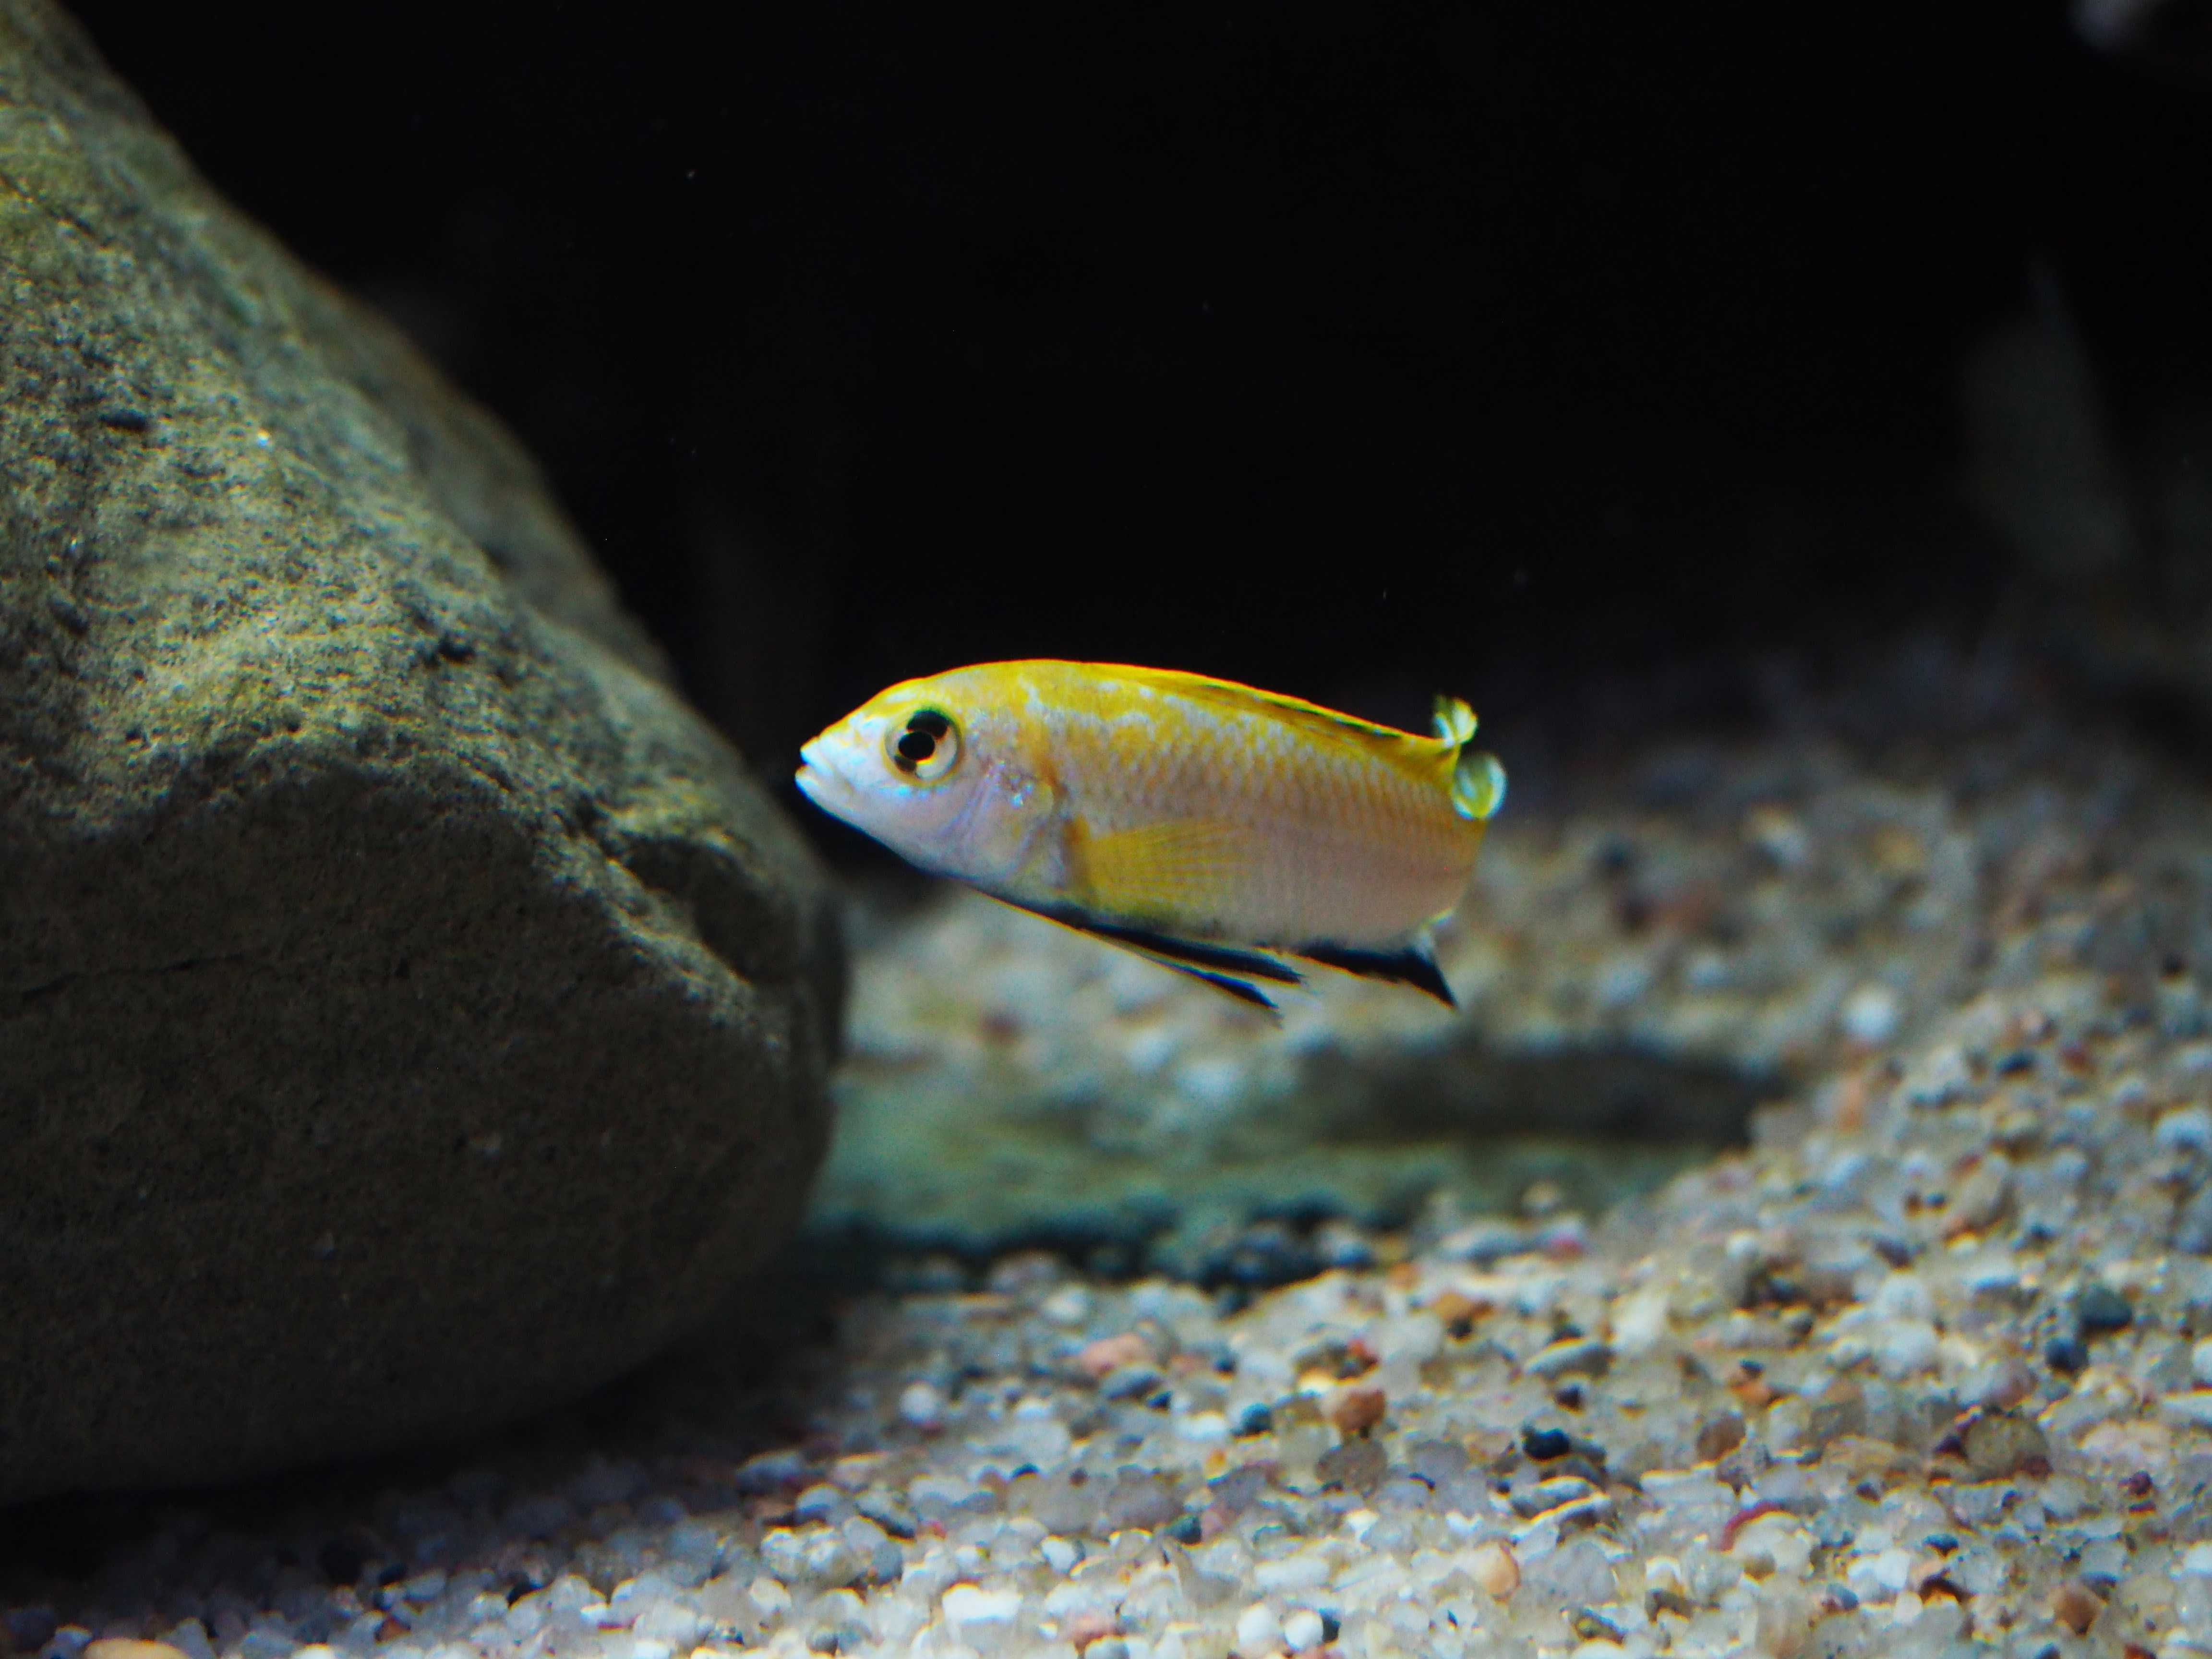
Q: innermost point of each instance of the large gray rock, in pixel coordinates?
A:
(410, 1012)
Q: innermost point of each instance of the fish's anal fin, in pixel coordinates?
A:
(1183, 865)
(1412, 966)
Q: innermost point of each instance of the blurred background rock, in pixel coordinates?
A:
(1564, 345)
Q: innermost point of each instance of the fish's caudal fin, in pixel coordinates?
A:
(1454, 721)
(1478, 786)
(1412, 966)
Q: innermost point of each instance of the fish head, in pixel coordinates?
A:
(935, 769)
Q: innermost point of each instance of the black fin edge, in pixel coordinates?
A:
(1242, 990)
(1182, 953)
(1411, 966)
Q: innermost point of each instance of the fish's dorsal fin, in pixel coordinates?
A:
(1182, 866)
(1411, 965)
(1233, 695)
(1454, 721)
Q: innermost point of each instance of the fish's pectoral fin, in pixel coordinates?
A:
(1413, 965)
(1182, 866)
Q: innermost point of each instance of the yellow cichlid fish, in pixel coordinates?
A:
(1211, 827)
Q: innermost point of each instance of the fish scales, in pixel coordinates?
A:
(1157, 807)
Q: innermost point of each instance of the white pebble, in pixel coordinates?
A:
(1307, 1569)
(673, 1622)
(1639, 1320)
(2200, 1361)
(769, 1595)
(1207, 1428)
(1259, 1631)
(971, 1604)
(1068, 1305)
(1303, 1629)
(922, 1405)
(1907, 1347)
(1879, 1576)
(1870, 1015)
(1060, 1554)
(2193, 1407)
(1904, 1296)
(2197, 1559)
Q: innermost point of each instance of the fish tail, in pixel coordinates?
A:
(1454, 721)
(1478, 786)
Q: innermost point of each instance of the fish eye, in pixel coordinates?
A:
(926, 747)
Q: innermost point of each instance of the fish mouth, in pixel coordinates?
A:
(815, 778)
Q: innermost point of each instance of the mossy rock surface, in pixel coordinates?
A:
(410, 1013)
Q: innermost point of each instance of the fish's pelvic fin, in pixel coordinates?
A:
(1478, 785)
(1454, 721)
(1225, 967)
(1242, 990)
(1412, 966)
(1184, 865)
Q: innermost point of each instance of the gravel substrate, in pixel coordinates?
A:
(1925, 1371)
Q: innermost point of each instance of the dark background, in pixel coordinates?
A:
(1358, 352)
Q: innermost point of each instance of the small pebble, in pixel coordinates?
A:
(1355, 1411)
(1303, 1630)
(1541, 1445)
(1259, 1630)
(2066, 1355)
(2100, 1311)
(1109, 1354)
(922, 1405)
(1255, 1418)
(971, 1604)
(1580, 1355)
(2001, 1444)
(1495, 1568)
(1871, 1015)
(2075, 1606)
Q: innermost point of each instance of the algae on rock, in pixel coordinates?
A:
(410, 1013)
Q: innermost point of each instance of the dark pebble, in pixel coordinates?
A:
(2100, 1311)
(1184, 1529)
(1265, 1255)
(1357, 1466)
(1255, 1419)
(1331, 1628)
(1542, 1445)
(2065, 1354)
